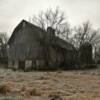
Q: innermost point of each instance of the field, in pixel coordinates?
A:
(64, 85)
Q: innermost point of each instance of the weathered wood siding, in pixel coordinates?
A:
(26, 45)
(32, 47)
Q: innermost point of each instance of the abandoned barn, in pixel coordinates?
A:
(30, 47)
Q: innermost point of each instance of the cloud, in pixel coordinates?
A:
(13, 11)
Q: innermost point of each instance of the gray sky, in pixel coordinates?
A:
(77, 11)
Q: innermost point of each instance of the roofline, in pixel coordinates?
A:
(13, 33)
(15, 29)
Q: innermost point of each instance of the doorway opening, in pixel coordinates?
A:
(21, 65)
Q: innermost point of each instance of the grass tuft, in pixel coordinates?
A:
(4, 89)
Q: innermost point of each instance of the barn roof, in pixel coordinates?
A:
(19, 26)
(56, 41)
(62, 43)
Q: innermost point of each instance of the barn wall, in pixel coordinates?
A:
(26, 46)
(52, 56)
(55, 57)
(10, 64)
(13, 64)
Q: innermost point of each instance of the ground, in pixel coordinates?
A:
(66, 85)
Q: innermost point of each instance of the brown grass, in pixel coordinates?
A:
(5, 88)
(31, 91)
(66, 85)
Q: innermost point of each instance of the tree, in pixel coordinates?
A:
(3, 44)
(85, 33)
(55, 19)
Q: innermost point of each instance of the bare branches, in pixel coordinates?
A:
(57, 20)
(85, 33)
(52, 18)
(3, 38)
(3, 44)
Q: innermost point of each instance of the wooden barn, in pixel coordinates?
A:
(30, 47)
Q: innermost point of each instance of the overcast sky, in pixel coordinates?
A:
(77, 11)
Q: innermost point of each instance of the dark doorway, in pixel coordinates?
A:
(21, 65)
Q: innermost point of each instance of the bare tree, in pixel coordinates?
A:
(55, 19)
(3, 44)
(85, 33)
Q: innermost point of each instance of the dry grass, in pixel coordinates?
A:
(64, 85)
(5, 88)
(30, 91)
